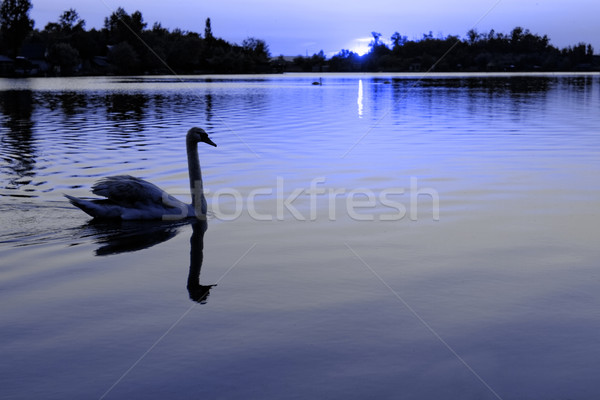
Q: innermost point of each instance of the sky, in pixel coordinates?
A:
(305, 27)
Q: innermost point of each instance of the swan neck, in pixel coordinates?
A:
(196, 187)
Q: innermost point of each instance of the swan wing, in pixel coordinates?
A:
(130, 198)
(129, 191)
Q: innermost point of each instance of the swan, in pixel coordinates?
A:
(130, 198)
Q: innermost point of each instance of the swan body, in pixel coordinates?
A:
(129, 198)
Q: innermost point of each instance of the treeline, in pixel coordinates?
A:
(520, 50)
(126, 45)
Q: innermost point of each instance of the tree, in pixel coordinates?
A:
(115, 25)
(428, 36)
(208, 36)
(516, 35)
(375, 42)
(124, 27)
(15, 23)
(70, 21)
(124, 57)
(257, 48)
(473, 36)
(64, 56)
(318, 59)
(398, 40)
(590, 52)
(378, 50)
(345, 61)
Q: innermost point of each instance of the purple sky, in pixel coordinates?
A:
(300, 27)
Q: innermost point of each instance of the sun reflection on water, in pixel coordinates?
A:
(360, 98)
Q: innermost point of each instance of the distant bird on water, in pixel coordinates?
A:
(130, 198)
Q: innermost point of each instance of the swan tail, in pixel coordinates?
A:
(96, 208)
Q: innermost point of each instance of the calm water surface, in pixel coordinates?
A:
(373, 237)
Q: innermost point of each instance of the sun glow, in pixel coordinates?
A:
(360, 46)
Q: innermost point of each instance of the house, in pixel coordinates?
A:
(415, 67)
(34, 53)
(284, 64)
(24, 67)
(7, 65)
(101, 62)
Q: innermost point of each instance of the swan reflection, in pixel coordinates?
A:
(198, 293)
(116, 237)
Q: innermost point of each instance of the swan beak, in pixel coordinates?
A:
(208, 141)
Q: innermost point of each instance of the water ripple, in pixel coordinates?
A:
(63, 134)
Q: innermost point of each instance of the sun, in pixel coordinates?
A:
(360, 46)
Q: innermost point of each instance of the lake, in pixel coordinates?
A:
(372, 236)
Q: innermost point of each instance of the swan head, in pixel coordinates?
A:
(196, 135)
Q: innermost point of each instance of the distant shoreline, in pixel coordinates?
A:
(314, 75)
(126, 46)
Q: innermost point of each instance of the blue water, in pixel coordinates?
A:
(377, 236)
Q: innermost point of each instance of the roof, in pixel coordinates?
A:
(285, 58)
(33, 51)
